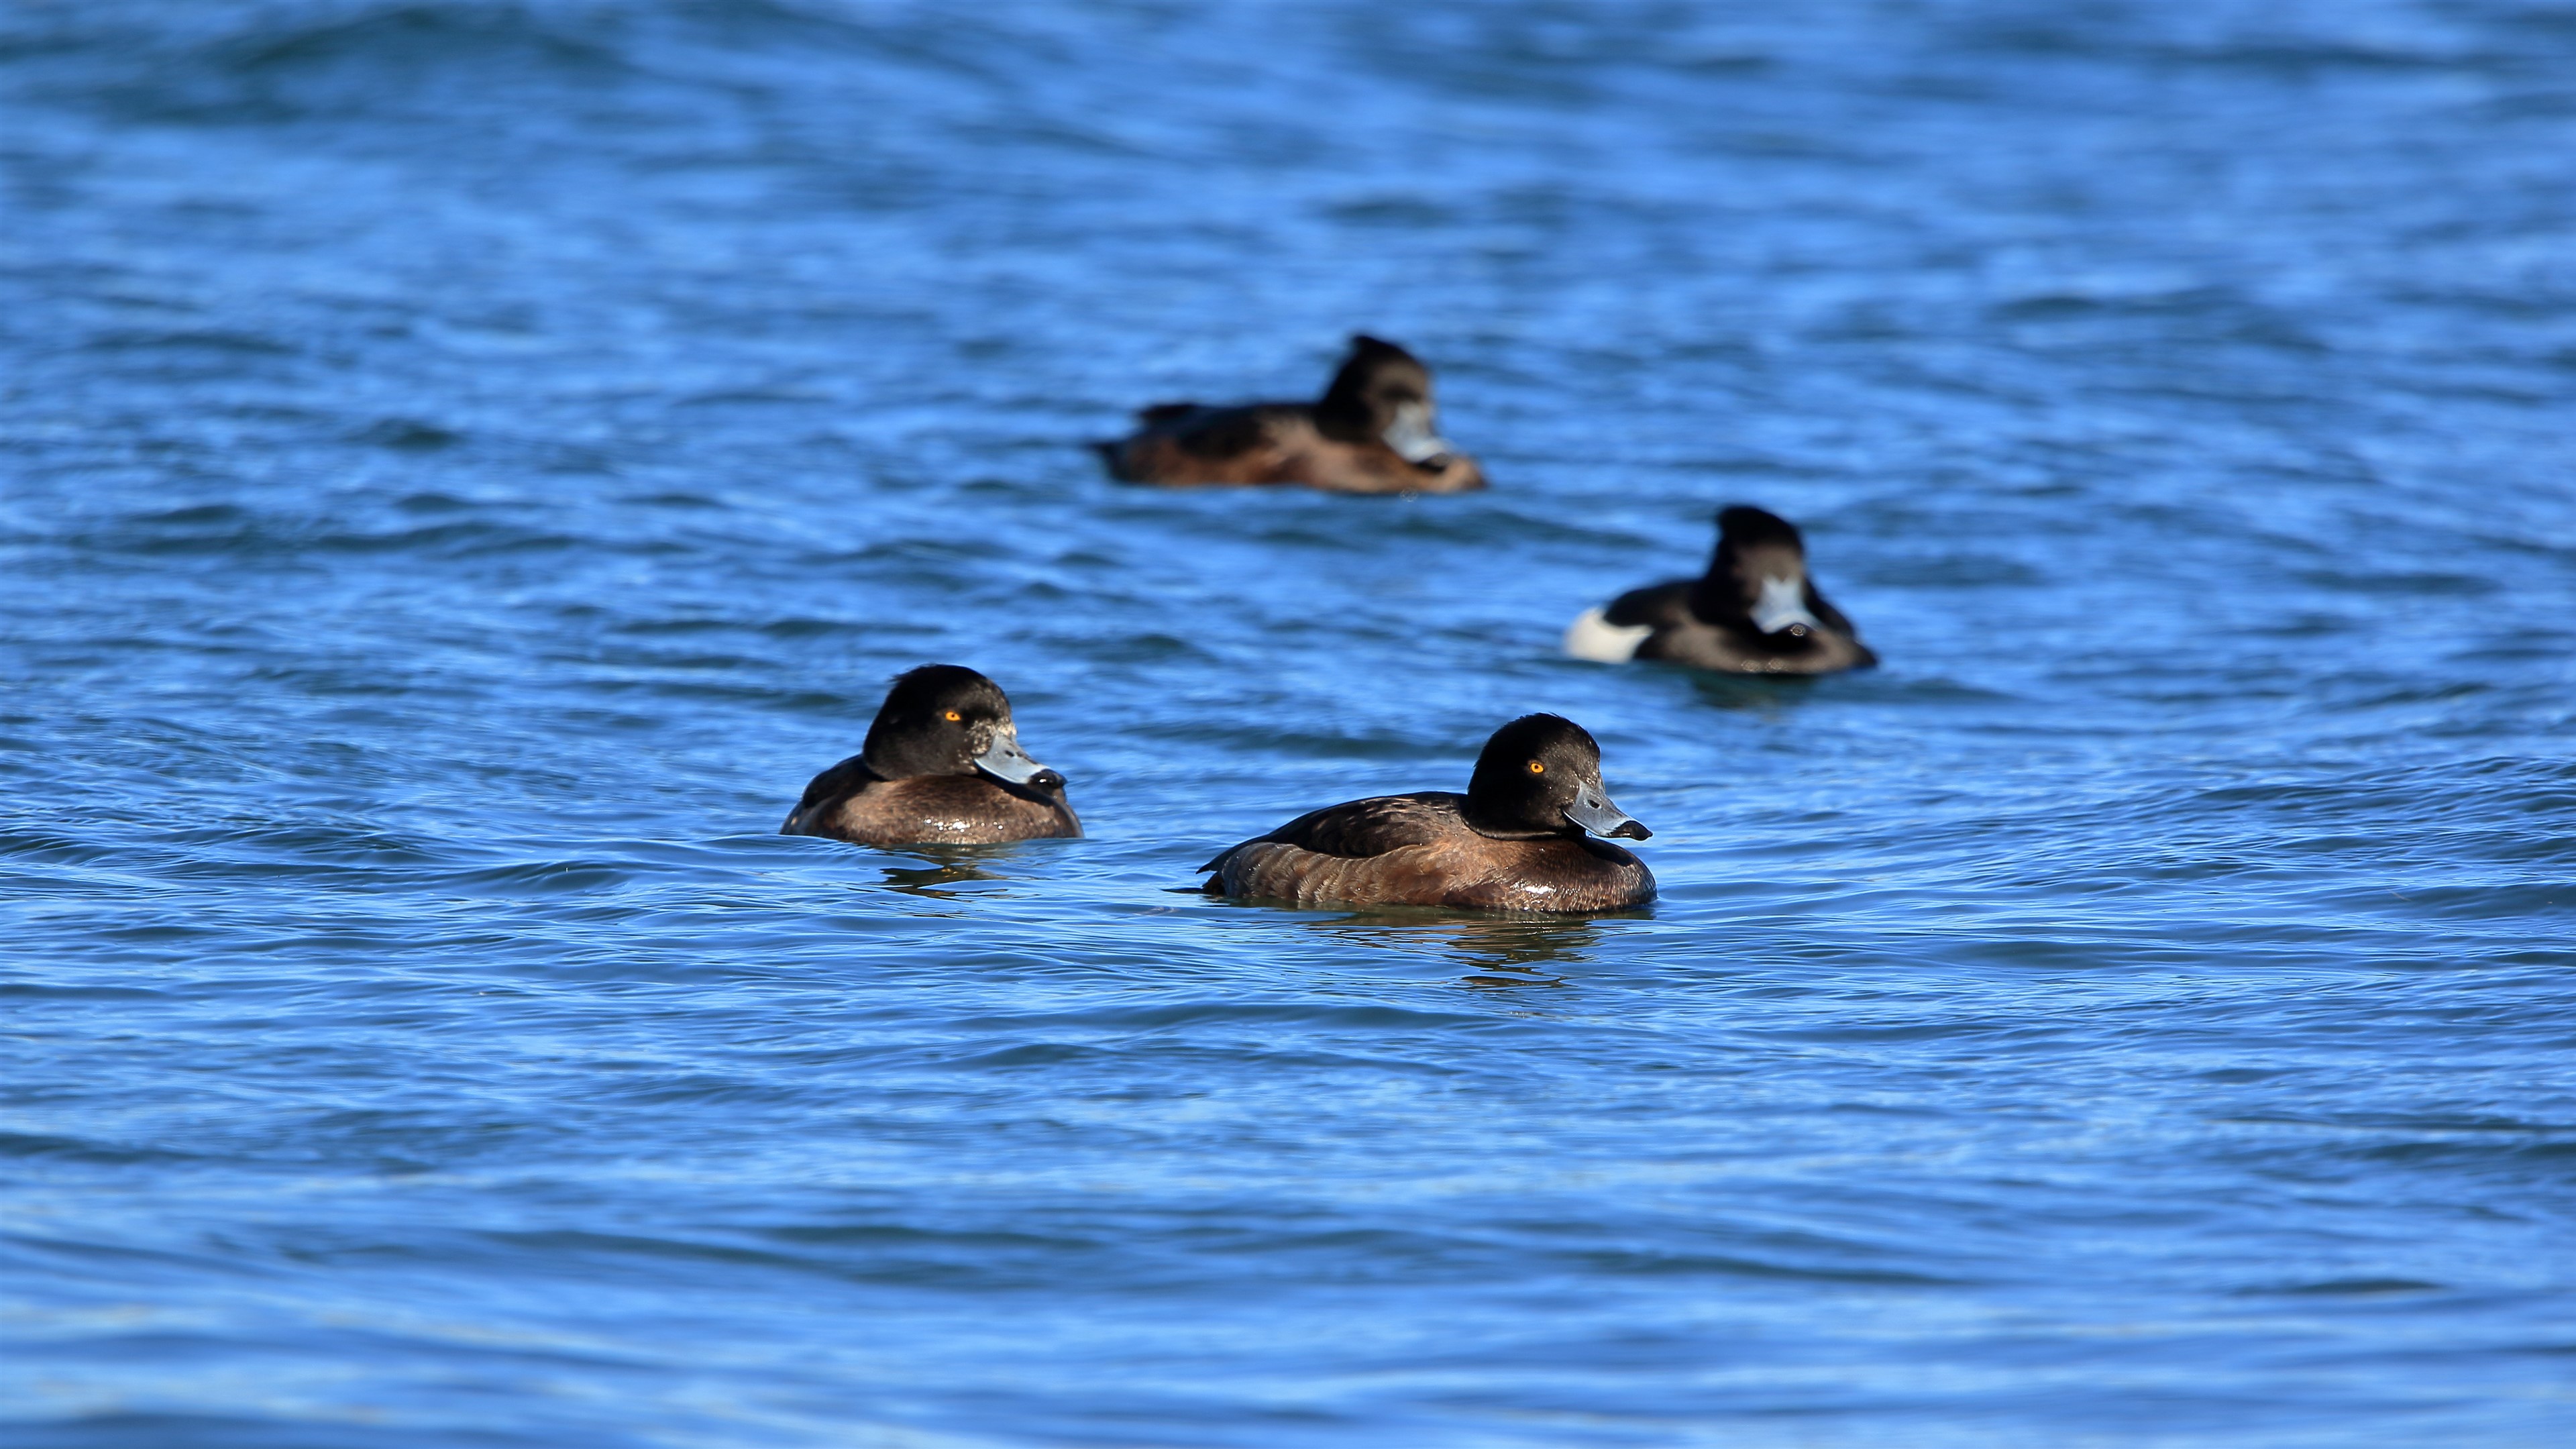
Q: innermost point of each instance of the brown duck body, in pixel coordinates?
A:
(1184, 444)
(1682, 637)
(852, 802)
(1419, 850)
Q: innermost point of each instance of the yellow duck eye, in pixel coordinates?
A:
(1537, 769)
(954, 716)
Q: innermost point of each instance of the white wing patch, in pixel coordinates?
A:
(1595, 638)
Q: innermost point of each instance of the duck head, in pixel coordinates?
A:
(1383, 394)
(1541, 775)
(1758, 577)
(944, 719)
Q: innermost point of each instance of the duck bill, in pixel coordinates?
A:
(1414, 439)
(1593, 811)
(1783, 607)
(1007, 762)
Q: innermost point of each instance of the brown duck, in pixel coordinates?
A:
(1375, 430)
(942, 766)
(1754, 612)
(1516, 841)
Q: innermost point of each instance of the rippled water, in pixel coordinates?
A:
(464, 465)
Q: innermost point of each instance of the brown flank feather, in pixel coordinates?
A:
(1419, 850)
(1182, 444)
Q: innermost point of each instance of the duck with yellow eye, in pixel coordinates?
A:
(942, 766)
(1520, 839)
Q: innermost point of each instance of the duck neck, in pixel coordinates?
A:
(1509, 825)
(890, 757)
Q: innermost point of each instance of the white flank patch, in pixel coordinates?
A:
(1594, 638)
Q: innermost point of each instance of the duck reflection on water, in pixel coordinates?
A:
(1526, 949)
(946, 865)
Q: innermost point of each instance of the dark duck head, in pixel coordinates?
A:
(1383, 394)
(1757, 580)
(1541, 775)
(943, 719)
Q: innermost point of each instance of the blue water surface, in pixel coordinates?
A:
(464, 465)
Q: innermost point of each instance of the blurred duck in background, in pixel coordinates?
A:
(942, 766)
(1754, 612)
(1376, 430)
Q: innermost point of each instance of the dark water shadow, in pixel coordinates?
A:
(946, 865)
(1751, 693)
(1498, 948)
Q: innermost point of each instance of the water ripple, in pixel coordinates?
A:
(464, 464)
